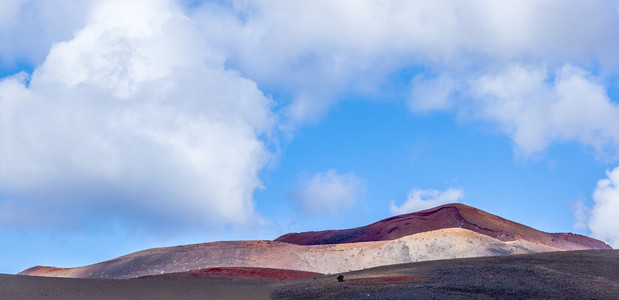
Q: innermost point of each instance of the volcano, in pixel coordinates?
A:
(453, 215)
(444, 232)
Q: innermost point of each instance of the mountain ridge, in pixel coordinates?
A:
(453, 215)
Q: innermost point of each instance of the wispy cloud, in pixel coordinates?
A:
(315, 51)
(581, 214)
(329, 192)
(28, 28)
(419, 199)
(536, 108)
(432, 94)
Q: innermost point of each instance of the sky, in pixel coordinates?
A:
(126, 125)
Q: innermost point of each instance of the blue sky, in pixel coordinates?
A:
(126, 125)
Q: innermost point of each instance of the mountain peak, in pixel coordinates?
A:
(453, 215)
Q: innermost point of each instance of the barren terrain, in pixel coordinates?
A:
(592, 274)
(451, 251)
(444, 232)
(326, 259)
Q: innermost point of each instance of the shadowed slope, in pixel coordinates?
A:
(446, 216)
(552, 275)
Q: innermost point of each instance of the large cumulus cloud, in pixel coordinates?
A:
(134, 119)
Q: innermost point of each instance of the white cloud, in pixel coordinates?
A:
(148, 88)
(581, 214)
(604, 216)
(134, 119)
(328, 192)
(536, 109)
(315, 51)
(10, 11)
(431, 94)
(419, 199)
(28, 28)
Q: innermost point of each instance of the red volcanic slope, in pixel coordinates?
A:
(446, 216)
(43, 270)
(242, 272)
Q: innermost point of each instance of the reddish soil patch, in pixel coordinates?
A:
(445, 216)
(42, 270)
(242, 272)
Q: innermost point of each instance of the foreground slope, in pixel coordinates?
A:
(434, 235)
(453, 215)
(553, 275)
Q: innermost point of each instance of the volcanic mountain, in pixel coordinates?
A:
(444, 232)
(453, 215)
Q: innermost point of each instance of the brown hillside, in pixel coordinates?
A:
(446, 216)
